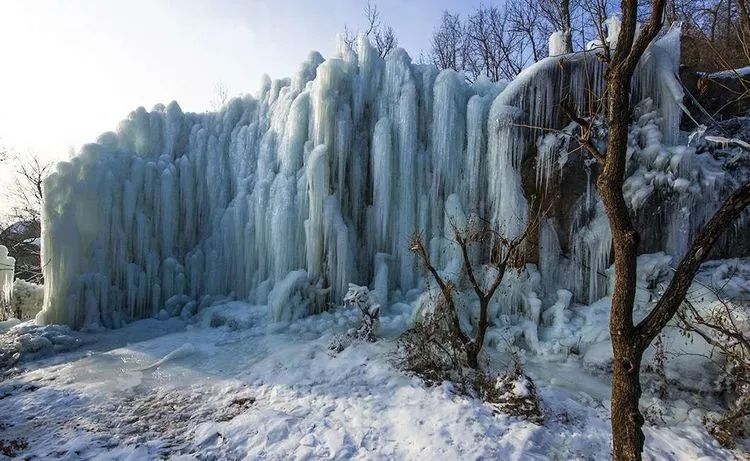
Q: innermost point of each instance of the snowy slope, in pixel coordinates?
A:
(250, 389)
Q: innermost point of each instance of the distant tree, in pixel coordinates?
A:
(221, 96)
(558, 15)
(21, 226)
(382, 35)
(25, 193)
(499, 41)
(497, 50)
(526, 21)
(449, 47)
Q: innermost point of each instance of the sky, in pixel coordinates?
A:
(71, 70)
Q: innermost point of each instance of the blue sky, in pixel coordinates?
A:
(73, 69)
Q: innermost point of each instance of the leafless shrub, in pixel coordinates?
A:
(429, 350)
(501, 252)
(437, 349)
(726, 328)
(512, 393)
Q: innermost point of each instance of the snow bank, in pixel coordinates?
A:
(26, 341)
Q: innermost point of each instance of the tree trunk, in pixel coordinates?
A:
(627, 436)
(627, 343)
(473, 349)
(567, 29)
(627, 421)
(472, 356)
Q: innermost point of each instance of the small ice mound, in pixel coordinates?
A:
(234, 315)
(6, 325)
(183, 351)
(24, 340)
(598, 356)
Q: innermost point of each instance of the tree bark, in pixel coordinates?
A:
(472, 351)
(567, 28)
(627, 436)
(628, 340)
(627, 421)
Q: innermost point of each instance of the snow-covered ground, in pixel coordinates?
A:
(231, 384)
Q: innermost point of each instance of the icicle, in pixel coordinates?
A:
(549, 256)
(325, 176)
(383, 193)
(591, 246)
(448, 136)
(318, 180)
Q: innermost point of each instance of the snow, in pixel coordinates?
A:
(221, 246)
(27, 299)
(558, 43)
(255, 389)
(727, 141)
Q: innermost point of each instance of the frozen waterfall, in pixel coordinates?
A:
(317, 181)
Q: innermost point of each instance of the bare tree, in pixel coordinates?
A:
(526, 20)
(449, 44)
(25, 193)
(503, 253)
(497, 50)
(497, 42)
(383, 36)
(221, 96)
(714, 31)
(23, 226)
(630, 340)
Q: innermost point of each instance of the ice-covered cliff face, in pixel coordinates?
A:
(319, 180)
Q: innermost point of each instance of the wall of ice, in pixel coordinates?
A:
(319, 180)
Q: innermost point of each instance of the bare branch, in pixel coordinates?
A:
(670, 301)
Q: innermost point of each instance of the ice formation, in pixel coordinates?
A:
(558, 43)
(318, 181)
(7, 270)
